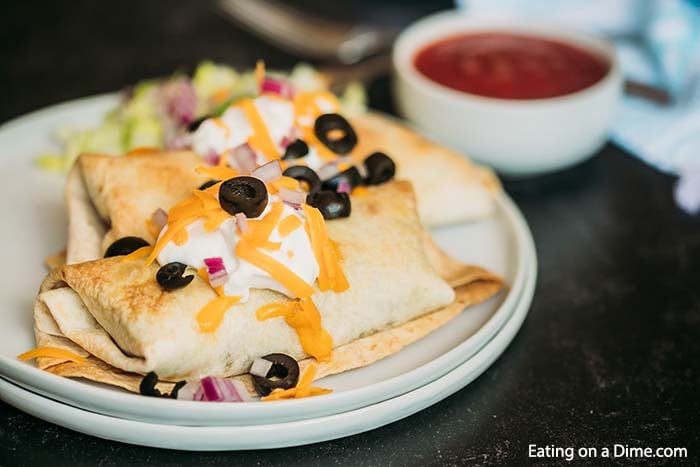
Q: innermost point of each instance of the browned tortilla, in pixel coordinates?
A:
(472, 286)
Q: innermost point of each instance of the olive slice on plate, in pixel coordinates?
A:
(148, 387)
(295, 150)
(170, 276)
(207, 184)
(328, 126)
(306, 175)
(243, 194)
(380, 168)
(125, 246)
(351, 176)
(333, 205)
(283, 374)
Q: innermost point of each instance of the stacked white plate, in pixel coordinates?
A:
(396, 387)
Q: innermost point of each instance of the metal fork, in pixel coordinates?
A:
(308, 35)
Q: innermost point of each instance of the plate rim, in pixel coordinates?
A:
(122, 404)
(224, 438)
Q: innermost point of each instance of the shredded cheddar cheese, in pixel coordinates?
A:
(286, 182)
(211, 315)
(51, 352)
(302, 389)
(220, 95)
(143, 150)
(201, 205)
(303, 316)
(259, 72)
(259, 230)
(260, 140)
(295, 284)
(217, 172)
(306, 110)
(152, 228)
(331, 275)
(359, 191)
(288, 225)
(142, 252)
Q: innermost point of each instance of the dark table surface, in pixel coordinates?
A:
(609, 353)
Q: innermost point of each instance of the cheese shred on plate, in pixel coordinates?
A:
(302, 389)
(302, 316)
(51, 352)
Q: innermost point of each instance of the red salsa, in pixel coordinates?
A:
(510, 66)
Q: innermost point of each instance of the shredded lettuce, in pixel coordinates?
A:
(140, 121)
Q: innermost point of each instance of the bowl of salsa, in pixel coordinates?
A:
(522, 97)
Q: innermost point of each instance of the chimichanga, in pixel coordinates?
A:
(114, 310)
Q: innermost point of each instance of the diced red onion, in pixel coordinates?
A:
(214, 264)
(362, 170)
(261, 367)
(243, 158)
(189, 390)
(268, 172)
(178, 141)
(242, 222)
(199, 393)
(159, 218)
(343, 187)
(219, 390)
(180, 100)
(242, 390)
(218, 279)
(327, 171)
(292, 197)
(212, 158)
(286, 141)
(277, 86)
(216, 270)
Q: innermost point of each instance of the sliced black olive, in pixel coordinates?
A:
(207, 184)
(296, 150)
(148, 387)
(325, 127)
(351, 176)
(283, 374)
(243, 194)
(380, 168)
(192, 127)
(304, 174)
(176, 389)
(124, 246)
(170, 276)
(332, 204)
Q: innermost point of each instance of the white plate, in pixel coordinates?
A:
(35, 227)
(313, 430)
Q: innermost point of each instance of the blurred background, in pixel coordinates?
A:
(105, 47)
(608, 352)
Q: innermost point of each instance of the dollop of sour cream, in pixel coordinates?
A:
(295, 253)
(232, 129)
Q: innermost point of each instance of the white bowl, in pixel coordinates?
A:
(516, 137)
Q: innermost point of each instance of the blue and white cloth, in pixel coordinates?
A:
(658, 42)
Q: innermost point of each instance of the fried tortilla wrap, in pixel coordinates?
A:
(114, 311)
(112, 197)
(449, 187)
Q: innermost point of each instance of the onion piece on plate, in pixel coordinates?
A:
(268, 172)
(243, 158)
(292, 197)
(278, 87)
